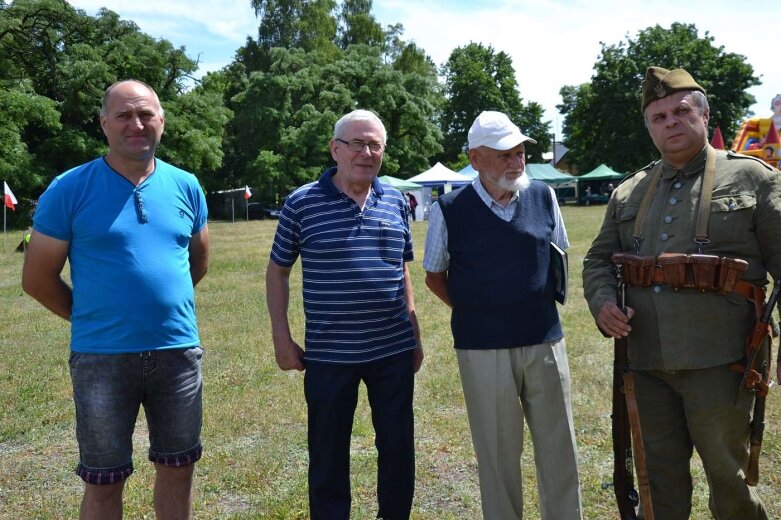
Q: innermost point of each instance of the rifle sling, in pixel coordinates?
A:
(641, 468)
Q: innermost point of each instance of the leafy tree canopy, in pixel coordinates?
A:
(55, 64)
(602, 122)
(284, 118)
(302, 24)
(358, 26)
(287, 91)
(477, 78)
(263, 120)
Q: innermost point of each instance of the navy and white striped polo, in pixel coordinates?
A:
(353, 270)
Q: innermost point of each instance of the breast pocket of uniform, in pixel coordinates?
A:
(731, 220)
(624, 216)
(391, 242)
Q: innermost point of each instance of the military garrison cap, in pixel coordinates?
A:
(660, 83)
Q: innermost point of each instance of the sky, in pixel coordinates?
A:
(552, 42)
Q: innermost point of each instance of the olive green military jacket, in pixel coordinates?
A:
(689, 329)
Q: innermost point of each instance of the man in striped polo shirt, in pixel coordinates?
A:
(354, 241)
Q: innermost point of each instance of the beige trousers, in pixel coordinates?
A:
(502, 387)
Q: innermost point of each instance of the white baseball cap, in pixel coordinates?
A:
(495, 130)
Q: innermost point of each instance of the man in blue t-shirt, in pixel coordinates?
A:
(133, 229)
(354, 242)
(488, 257)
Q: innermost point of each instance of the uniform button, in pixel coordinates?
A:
(664, 236)
(673, 201)
(732, 206)
(657, 288)
(677, 184)
(668, 219)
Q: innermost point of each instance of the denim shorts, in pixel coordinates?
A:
(108, 390)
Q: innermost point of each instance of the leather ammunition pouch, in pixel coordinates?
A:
(703, 273)
(682, 271)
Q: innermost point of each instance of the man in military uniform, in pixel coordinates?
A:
(683, 340)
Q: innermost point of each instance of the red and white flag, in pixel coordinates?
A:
(10, 200)
(247, 193)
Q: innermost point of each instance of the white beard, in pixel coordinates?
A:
(520, 184)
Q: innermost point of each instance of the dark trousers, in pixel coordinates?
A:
(332, 394)
(697, 409)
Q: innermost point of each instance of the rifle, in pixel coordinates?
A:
(626, 425)
(757, 426)
(623, 480)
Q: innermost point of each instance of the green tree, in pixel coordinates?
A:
(413, 60)
(194, 127)
(301, 24)
(358, 25)
(598, 123)
(477, 78)
(24, 112)
(286, 91)
(279, 22)
(55, 63)
(278, 138)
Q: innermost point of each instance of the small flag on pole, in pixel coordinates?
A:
(247, 193)
(10, 200)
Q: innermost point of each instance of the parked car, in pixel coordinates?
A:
(262, 211)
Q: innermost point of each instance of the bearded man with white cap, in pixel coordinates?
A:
(488, 257)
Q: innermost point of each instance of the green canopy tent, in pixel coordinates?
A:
(547, 174)
(601, 173)
(563, 184)
(405, 186)
(591, 185)
(399, 184)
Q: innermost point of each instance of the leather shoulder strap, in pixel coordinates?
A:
(637, 234)
(703, 214)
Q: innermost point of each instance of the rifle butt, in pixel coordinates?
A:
(757, 431)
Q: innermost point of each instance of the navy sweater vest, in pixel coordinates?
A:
(499, 279)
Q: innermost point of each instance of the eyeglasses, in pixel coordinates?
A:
(356, 145)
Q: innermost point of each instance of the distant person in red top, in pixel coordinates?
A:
(413, 203)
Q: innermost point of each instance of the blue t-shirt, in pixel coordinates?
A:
(353, 270)
(129, 256)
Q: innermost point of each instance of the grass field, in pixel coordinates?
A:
(254, 436)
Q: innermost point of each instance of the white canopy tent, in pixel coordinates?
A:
(441, 175)
(440, 178)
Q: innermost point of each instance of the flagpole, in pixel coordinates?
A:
(246, 205)
(233, 209)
